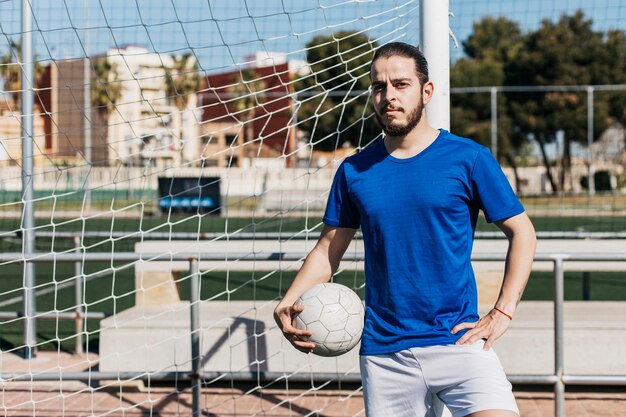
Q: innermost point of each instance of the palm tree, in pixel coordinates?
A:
(181, 82)
(106, 92)
(11, 72)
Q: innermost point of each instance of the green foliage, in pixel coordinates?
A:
(614, 53)
(106, 89)
(181, 80)
(567, 52)
(496, 40)
(340, 63)
(490, 47)
(11, 73)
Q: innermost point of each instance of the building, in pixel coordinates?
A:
(297, 67)
(11, 138)
(247, 113)
(11, 122)
(66, 116)
(147, 128)
(143, 127)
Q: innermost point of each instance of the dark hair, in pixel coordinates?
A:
(408, 51)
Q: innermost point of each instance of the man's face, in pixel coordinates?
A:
(397, 95)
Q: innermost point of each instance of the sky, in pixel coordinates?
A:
(221, 33)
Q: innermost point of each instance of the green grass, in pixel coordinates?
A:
(188, 224)
(605, 286)
(272, 223)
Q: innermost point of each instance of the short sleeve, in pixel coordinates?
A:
(491, 189)
(340, 209)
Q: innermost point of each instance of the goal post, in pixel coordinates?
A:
(435, 44)
(28, 179)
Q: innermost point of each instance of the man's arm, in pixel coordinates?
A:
(319, 266)
(519, 258)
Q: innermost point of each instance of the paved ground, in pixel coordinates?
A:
(48, 401)
(70, 399)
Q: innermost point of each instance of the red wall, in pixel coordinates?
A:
(272, 115)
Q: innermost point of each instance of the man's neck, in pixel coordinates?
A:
(413, 142)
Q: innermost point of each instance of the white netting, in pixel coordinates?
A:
(209, 128)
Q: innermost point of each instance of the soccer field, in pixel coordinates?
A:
(206, 223)
(115, 291)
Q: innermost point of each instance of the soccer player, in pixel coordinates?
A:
(416, 195)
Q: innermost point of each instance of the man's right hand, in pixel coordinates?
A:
(318, 267)
(284, 316)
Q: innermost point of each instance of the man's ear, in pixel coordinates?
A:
(427, 91)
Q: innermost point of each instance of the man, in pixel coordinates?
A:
(416, 195)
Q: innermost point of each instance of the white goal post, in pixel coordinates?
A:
(435, 43)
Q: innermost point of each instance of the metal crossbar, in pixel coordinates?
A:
(283, 236)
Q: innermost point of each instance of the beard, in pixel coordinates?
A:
(413, 118)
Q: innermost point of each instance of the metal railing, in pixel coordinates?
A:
(558, 378)
(279, 236)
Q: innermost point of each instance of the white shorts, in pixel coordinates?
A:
(467, 379)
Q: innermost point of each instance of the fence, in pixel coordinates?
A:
(559, 379)
(603, 152)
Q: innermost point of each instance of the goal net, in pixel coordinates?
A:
(165, 131)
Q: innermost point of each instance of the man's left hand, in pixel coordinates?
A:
(489, 328)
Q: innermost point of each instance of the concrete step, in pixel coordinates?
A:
(241, 336)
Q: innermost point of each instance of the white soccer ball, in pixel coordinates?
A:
(334, 313)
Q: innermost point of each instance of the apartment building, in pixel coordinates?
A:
(143, 127)
(248, 113)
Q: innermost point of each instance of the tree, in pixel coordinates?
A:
(106, 89)
(11, 73)
(181, 81)
(568, 52)
(614, 53)
(328, 111)
(493, 43)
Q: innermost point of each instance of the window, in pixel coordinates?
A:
(230, 139)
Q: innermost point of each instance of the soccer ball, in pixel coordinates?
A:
(334, 313)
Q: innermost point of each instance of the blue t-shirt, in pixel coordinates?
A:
(418, 217)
